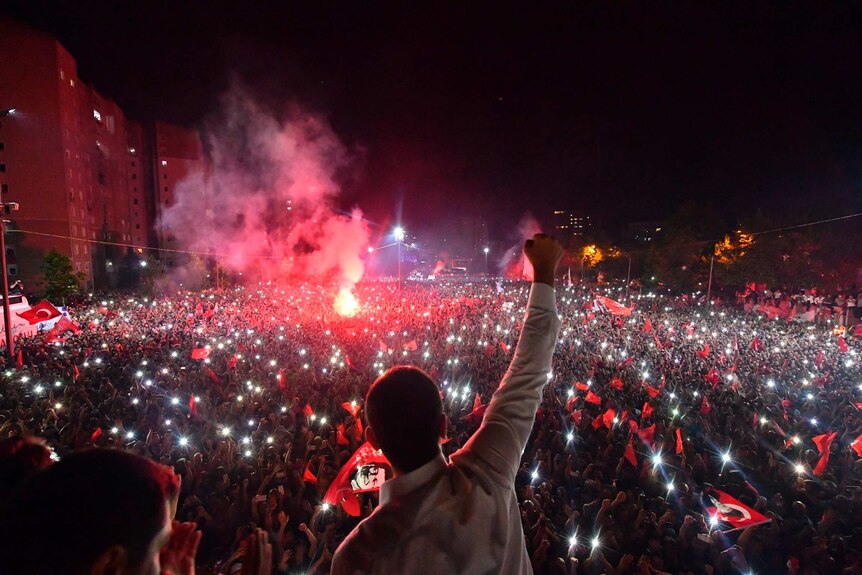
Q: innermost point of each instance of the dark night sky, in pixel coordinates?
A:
(621, 111)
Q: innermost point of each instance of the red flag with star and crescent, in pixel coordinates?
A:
(366, 470)
(727, 509)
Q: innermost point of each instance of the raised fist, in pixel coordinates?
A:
(544, 253)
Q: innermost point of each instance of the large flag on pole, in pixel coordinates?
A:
(42, 311)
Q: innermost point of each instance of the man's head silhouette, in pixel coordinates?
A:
(405, 417)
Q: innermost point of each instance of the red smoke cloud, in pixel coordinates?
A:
(266, 203)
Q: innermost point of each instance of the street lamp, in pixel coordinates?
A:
(486, 249)
(399, 234)
(7, 313)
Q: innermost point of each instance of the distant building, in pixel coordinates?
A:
(86, 177)
(569, 225)
(178, 152)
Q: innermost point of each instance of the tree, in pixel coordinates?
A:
(61, 279)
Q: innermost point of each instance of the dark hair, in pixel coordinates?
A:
(75, 510)
(404, 408)
(20, 457)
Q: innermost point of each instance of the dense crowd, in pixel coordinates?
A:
(705, 397)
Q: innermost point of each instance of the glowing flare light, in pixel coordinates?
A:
(345, 303)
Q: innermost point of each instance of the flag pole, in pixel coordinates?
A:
(709, 283)
(7, 319)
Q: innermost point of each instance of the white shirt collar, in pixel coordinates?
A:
(404, 484)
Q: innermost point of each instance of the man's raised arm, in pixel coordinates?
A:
(501, 439)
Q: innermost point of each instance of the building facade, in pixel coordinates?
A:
(89, 182)
(570, 225)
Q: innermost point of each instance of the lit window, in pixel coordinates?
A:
(164, 162)
(97, 115)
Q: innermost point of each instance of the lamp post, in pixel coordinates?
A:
(7, 319)
(7, 314)
(399, 234)
(486, 249)
(628, 278)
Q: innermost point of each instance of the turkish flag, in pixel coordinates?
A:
(646, 411)
(678, 441)
(96, 435)
(307, 410)
(200, 353)
(231, 363)
(64, 324)
(410, 346)
(647, 326)
(705, 407)
(615, 308)
(857, 445)
(340, 435)
(282, 379)
(704, 353)
(581, 386)
(630, 454)
(726, 509)
(211, 374)
(577, 415)
(657, 341)
(570, 404)
(193, 406)
(42, 311)
(308, 476)
(504, 347)
(366, 470)
(608, 418)
(357, 430)
(823, 443)
(647, 434)
(353, 407)
(617, 384)
(842, 345)
(756, 344)
(651, 391)
(819, 361)
(712, 377)
(593, 398)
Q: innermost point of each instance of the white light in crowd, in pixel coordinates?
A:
(164, 370)
(725, 457)
(148, 383)
(130, 435)
(197, 398)
(763, 421)
(675, 411)
(670, 486)
(135, 401)
(58, 383)
(322, 421)
(115, 430)
(175, 401)
(247, 453)
(696, 393)
(800, 469)
(325, 507)
(225, 431)
(246, 440)
(58, 406)
(139, 374)
(573, 541)
(570, 436)
(167, 422)
(672, 395)
(184, 441)
(770, 383)
(809, 395)
(713, 520)
(39, 389)
(534, 475)
(398, 233)
(270, 439)
(239, 398)
(313, 417)
(283, 409)
(251, 423)
(813, 421)
(24, 379)
(595, 542)
(795, 439)
(656, 460)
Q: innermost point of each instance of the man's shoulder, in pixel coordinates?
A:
(368, 540)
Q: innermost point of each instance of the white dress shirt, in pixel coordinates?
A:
(462, 516)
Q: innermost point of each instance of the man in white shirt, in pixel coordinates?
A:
(457, 516)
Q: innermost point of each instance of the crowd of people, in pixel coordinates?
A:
(242, 392)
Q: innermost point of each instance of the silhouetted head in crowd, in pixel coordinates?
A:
(20, 457)
(95, 512)
(405, 417)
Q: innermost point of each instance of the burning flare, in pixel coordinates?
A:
(345, 303)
